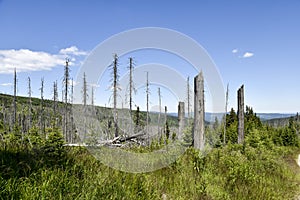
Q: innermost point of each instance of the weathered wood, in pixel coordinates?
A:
(131, 137)
(65, 92)
(181, 120)
(188, 98)
(240, 114)
(15, 98)
(226, 105)
(199, 112)
(115, 85)
(114, 142)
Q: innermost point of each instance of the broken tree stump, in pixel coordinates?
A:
(199, 112)
(240, 114)
(181, 120)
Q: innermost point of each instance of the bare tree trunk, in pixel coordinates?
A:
(158, 120)
(92, 96)
(66, 89)
(166, 126)
(71, 135)
(42, 120)
(15, 98)
(241, 115)
(115, 85)
(199, 112)
(181, 120)
(55, 98)
(130, 83)
(166, 110)
(72, 92)
(147, 98)
(226, 105)
(84, 91)
(30, 104)
(188, 98)
(84, 101)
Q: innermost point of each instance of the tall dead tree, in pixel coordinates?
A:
(66, 90)
(30, 104)
(115, 90)
(55, 97)
(84, 91)
(42, 120)
(240, 114)
(147, 99)
(226, 105)
(72, 92)
(131, 85)
(92, 97)
(199, 111)
(84, 101)
(188, 90)
(15, 98)
(71, 137)
(181, 120)
(166, 128)
(159, 104)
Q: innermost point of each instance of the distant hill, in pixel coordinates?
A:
(269, 116)
(210, 117)
(274, 119)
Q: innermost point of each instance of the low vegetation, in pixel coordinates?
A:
(37, 167)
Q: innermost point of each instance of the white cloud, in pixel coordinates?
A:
(73, 50)
(6, 84)
(248, 55)
(235, 50)
(25, 60)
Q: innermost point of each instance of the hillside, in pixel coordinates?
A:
(36, 163)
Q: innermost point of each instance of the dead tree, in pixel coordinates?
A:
(131, 84)
(55, 97)
(240, 113)
(84, 101)
(181, 120)
(159, 104)
(30, 104)
(72, 92)
(226, 105)
(84, 91)
(115, 90)
(166, 129)
(66, 89)
(71, 137)
(15, 98)
(42, 120)
(147, 99)
(199, 112)
(92, 97)
(188, 90)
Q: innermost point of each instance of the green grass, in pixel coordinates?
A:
(232, 172)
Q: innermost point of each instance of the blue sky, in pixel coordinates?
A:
(255, 43)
